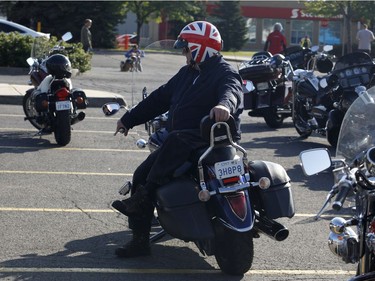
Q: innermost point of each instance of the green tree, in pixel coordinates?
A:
(58, 17)
(351, 11)
(231, 24)
(179, 12)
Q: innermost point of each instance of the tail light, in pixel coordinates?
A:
(62, 93)
(238, 204)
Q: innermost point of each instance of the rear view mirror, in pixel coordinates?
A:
(111, 108)
(67, 36)
(315, 160)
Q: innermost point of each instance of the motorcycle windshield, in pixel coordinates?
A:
(357, 132)
(352, 59)
(40, 47)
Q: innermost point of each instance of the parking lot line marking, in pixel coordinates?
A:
(62, 210)
(65, 173)
(169, 271)
(78, 210)
(74, 131)
(75, 149)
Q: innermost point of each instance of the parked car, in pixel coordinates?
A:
(9, 26)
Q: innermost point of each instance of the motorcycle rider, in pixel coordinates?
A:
(207, 85)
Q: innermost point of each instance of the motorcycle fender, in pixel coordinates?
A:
(233, 210)
(276, 201)
(181, 213)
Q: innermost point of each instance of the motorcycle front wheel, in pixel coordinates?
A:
(62, 128)
(30, 111)
(234, 251)
(272, 119)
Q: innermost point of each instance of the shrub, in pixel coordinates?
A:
(16, 48)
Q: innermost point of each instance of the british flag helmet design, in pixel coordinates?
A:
(202, 38)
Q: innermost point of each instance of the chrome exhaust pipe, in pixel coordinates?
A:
(271, 228)
(79, 117)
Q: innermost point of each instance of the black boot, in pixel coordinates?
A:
(135, 204)
(137, 247)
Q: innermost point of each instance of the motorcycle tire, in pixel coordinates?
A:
(62, 127)
(300, 123)
(333, 136)
(272, 119)
(234, 251)
(30, 111)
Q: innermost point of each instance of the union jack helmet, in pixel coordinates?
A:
(202, 38)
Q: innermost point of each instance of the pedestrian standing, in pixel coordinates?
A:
(86, 39)
(365, 37)
(276, 41)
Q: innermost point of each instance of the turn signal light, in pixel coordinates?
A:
(45, 104)
(264, 183)
(79, 100)
(204, 195)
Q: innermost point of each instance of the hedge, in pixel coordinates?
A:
(15, 48)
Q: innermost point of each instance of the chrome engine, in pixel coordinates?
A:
(343, 241)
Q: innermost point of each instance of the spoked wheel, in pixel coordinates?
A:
(273, 120)
(299, 122)
(234, 251)
(29, 110)
(62, 127)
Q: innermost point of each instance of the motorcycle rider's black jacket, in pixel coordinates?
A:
(190, 95)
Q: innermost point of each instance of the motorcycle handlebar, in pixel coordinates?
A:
(344, 189)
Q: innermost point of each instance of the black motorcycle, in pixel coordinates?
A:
(53, 105)
(354, 174)
(221, 201)
(265, 91)
(320, 103)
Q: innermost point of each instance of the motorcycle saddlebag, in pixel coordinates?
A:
(78, 93)
(259, 72)
(276, 201)
(181, 213)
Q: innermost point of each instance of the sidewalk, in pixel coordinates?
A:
(13, 94)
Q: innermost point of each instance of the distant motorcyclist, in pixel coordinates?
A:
(207, 85)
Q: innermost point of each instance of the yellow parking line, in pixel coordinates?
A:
(74, 131)
(170, 271)
(62, 210)
(76, 149)
(65, 173)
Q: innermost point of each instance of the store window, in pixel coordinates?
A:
(330, 35)
(268, 27)
(299, 29)
(251, 25)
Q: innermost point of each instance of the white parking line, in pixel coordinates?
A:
(65, 173)
(171, 271)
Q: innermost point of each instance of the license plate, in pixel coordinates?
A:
(230, 168)
(262, 86)
(63, 105)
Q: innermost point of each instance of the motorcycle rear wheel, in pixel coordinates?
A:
(62, 127)
(272, 119)
(234, 251)
(30, 111)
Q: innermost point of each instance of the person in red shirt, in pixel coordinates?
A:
(276, 41)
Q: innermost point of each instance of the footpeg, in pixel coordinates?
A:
(125, 189)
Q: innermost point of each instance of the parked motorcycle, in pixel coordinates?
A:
(354, 173)
(265, 91)
(40, 52)
(52, 105)
(132, 63)
(299, 57)
(221, 201)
